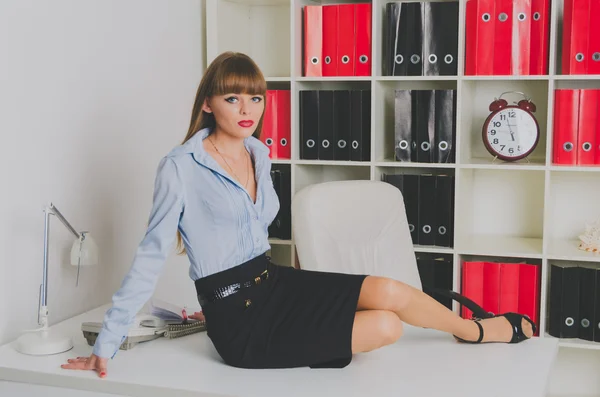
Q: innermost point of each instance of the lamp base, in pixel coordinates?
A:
(43, 342)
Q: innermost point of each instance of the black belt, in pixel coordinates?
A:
(223, 292)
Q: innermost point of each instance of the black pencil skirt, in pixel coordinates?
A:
(286, 318)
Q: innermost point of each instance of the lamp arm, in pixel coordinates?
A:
(60, 216)
(43, 301)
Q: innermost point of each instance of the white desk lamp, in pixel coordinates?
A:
(84, 252)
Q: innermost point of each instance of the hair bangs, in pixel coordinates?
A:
(239, 76)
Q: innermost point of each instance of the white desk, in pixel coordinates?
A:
(422, 363)
(16, 389)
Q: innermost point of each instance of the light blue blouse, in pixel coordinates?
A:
(220, 224)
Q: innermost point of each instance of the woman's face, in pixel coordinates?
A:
(236, 114)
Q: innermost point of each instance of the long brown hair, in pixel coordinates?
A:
(230, 72)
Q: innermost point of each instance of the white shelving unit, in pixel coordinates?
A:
(530, 210)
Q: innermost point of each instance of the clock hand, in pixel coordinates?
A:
(512, 134)
(518, 142)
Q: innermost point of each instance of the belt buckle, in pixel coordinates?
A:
(258, 279)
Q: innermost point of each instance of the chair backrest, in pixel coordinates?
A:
(354, 227)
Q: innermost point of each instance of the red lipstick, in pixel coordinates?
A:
(246, 123)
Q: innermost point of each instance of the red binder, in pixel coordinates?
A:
(472, 285)
(521, 37)
(284, 127)
(503, 36)
(345, 40)
(330, 40)
(276, 131)
(587, 125)
(502, 287)
(576, 30)
(313, 39)
(480, 26)
(362, 29)
(471, 17)
(491, 287)
(597, 148)
(269, 132)
(540, 28)
(529, 292)
(566, 114)
(593, 53)
(509, 288)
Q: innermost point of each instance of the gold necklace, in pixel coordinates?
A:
(232, 171)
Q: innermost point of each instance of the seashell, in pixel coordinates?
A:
(590, 239)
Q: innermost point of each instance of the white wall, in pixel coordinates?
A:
(92, 94)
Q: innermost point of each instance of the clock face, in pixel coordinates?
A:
(511, 133)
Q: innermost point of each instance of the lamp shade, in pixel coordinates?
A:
(84, 251)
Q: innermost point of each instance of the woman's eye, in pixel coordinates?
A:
(233, 99)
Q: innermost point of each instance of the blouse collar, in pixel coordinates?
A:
(194, 146)
(258, 150)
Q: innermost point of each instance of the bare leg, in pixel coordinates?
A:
(419, 309)
(375, 328)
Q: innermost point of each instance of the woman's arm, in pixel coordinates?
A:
(139, 283)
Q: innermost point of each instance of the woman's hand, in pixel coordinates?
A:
(198, 316)
(93, 363)
(98, 364)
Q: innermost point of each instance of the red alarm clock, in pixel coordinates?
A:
(511, 132)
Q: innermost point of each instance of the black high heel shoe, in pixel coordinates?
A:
(515, 319)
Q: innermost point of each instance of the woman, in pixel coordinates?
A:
(214, 192)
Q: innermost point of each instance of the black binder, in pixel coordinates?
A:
(396, 180)
(427, 212)
(423, 118)
(281, 227)
(443, 278)
(426, 268)
(399, 23)
(414, 38)
(326, 125)
(440, 38)
(564, 317)
(444, 211)
(360, 128)
(404, 39)
(445, 126)
(411, 204)
(405, 141)
(596, 298)
(309, 124)
(342, 112)
(285, 203)
(392, 20)
(587, 291)
(425, 126)
(421, 38)
(275, 226)
(429, 204)
(409, 186)
(435, 272)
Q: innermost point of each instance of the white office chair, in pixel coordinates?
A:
(354, 227)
